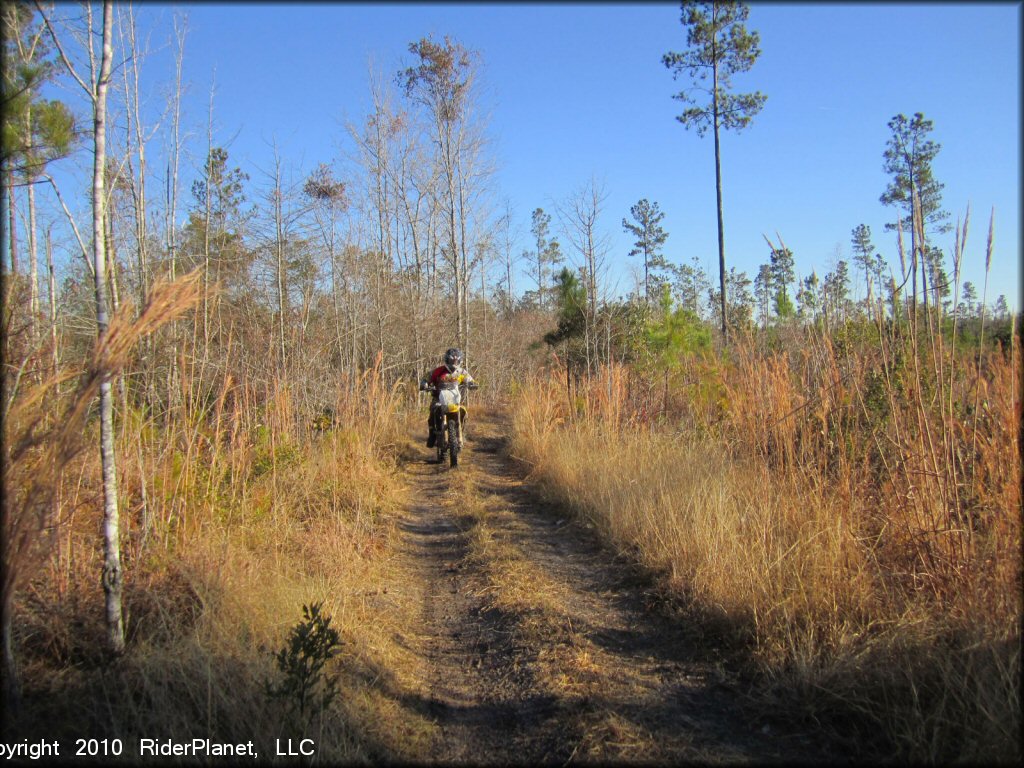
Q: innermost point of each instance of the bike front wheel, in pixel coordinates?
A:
(453, 441)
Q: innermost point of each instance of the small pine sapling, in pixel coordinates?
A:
(311, 644)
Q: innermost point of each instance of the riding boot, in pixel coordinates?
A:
(431, 436)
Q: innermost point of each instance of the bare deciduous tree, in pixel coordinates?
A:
(579, 215)
(96, 90)
(442, 82)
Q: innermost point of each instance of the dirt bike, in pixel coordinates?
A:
(448, 416)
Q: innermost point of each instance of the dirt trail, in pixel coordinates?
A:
(538, 645)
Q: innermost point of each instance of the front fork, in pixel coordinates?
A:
(458, 427)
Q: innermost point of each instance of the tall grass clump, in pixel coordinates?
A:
(848, 505)
(239, 506)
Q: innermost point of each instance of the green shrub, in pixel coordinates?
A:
(304, 687)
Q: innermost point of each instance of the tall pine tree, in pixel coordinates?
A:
(719, 46)
(914, 191)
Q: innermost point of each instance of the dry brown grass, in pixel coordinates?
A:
(233, 517)
(826, 507)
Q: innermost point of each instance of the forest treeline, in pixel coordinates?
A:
(205, 353)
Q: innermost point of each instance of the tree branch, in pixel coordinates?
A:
(71, 220)
(63, 56)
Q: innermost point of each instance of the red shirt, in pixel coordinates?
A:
(441, 372)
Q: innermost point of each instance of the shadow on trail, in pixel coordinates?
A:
(597, 664)
(660, 672)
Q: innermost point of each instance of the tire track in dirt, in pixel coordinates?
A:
(540, 646)
(481, 704)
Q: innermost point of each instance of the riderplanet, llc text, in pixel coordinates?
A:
(114, 748)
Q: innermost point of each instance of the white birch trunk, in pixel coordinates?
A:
(112, 575)
(52, 285)
(33, 262)
(12, 231)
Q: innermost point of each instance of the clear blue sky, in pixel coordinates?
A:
(579, 89)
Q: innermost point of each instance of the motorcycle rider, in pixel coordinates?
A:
(452, 369)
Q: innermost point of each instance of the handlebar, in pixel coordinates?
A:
(425, 385)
